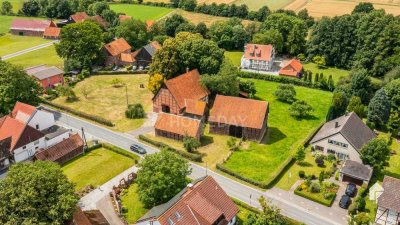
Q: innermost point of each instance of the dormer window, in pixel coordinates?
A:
(177, 215)
(170, 222)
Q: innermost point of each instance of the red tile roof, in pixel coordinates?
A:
(239, 111)
(117, 47)
(149, 23)
(195, 107)
(177, 124)
(156, 45)
(124, 17)
(186, 86)
(24, 108)
(204, 204)
(61, 149)
(100, 20)
(258, 52)
(52, 32)
(79, 17)
(20, 133)
(128, 57)
(292, 68)
(29, 24)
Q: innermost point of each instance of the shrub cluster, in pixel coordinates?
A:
(135, 111)
(187, 155)
(80, 114)
(105, 72)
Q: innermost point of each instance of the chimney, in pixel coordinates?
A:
(337, 124)
(190, 186)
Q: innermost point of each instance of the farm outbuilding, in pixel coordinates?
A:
(177, 127)
(239, 117)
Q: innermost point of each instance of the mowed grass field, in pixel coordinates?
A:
(46, 56)
(335, 72)
(109, 102)
(12, 43)
(133, 207)
(320, 8)
(200, 17)
(260, 161)
(96, 167)
(17, 4)
(141, 12)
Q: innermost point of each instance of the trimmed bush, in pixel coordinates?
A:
(315, 188)
(79, 113)
(120, 72)
(187, 155)
(190, 144)
(302, 174)
(135, 111)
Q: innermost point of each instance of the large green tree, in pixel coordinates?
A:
(392, 90)
(16, 85)
(340, 102)
(6, 8)
(60, 9)
(134, 32)
(376, 153)
(273, 37)
(187, 51)
(160, 177)
(379, 108)
(36, 193)
(81, 42)
(356, 106)
(361, 85)
(270, 215)
(225, 82)
(229, 34)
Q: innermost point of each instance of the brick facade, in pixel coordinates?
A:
(165, 98)
(116, 60)
(27, 33)
(52, 81)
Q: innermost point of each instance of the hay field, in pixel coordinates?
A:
(200, 17)
(320, 8)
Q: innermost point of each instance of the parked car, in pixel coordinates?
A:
(351, 190)
(139, 149)
(344, 202)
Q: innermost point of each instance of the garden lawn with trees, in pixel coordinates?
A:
(13, 43)
(46, 56)
(98, 96)
(16, 4)
(141, 12)
(133, 208)
(96, 167)
(335, 72)
(234, 57)
(261, 161)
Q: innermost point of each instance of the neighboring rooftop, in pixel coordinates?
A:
(186, 86)
(30, 24)
(357, 170)
(237, 111)
(79, 17)
(177, 124)
(194, 107)
(152, 47)
(292, 68)
(258, 52)
(43, 72)
(117, 47)
(124, 17)
(100, 20)
(390, 198)
(52, 32)
(54, 131)
(92, 217)
(61, 149)
(21, 107)
(356, 132)
(203, 202)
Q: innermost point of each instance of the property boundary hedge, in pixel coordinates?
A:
(103, 72)
(187, 155)
(79, 113)
(317, 200)
(113, 148)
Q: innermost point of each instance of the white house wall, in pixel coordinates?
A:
(22, 154)
(41, 120)
(350, 150)
(57, 139)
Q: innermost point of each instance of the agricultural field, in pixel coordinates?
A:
(200, 17)
(141, 12)
(96, 167)
(320, 8)
(46, 56)
(260, 161)
(256, 4)
(17, 4)
(12, 43)
(106, 101)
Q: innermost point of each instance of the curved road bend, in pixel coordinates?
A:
(320, 216)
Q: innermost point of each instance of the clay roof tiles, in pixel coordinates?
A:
(117, 47)
(61, 149)
(292, 68)
(52, 32)
(24, 108)
(29, 24)
(177, 124)
(258, 52)
(239, 111)
(186, 86)
(79, 17)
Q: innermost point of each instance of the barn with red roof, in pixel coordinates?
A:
(293, 68)
(30, 27)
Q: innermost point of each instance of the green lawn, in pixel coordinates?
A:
(12, 43)
(235, 57)
(335, 72)
(260, 161)
(308, 166)
(96, 167)
(394, 162)
(142, 12)
(46, 55)
(132, 207)
(108, 102)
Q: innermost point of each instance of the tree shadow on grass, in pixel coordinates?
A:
(273, 135)
(304, 164)
(308, 117)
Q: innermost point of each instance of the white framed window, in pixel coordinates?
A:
(170, 222)
(178, 215)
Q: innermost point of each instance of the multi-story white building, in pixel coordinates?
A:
(258, 57)
(344, 137)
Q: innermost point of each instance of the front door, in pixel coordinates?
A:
(235, 131)
(165, 109)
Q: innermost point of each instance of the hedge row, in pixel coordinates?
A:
(158, 144)
(104, 72)
(120, 151)
(80, 114)
(279, 79)
(317, 200)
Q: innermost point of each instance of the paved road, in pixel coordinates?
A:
(9, 56)
(311, 213)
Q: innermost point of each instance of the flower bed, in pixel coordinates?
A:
(324, 193)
